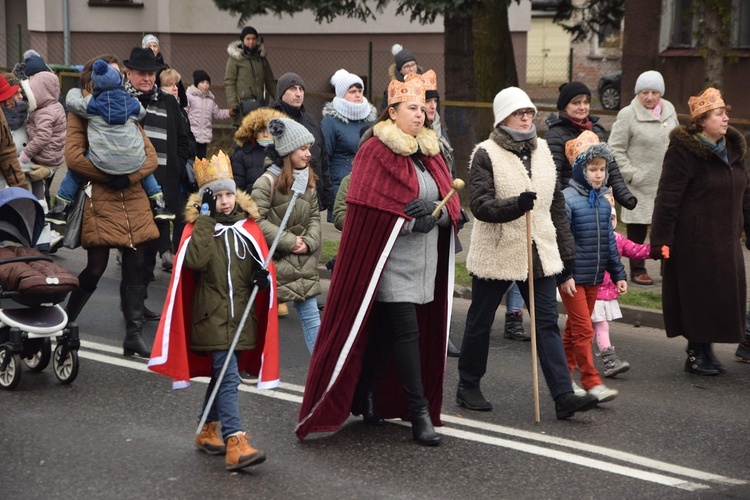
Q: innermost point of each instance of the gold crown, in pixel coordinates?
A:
(217, 168)
(429, 79)
(708, 100)
(410, 90)
(574, 147)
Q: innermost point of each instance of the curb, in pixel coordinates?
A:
(631, 315)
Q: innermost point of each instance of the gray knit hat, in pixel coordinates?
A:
(149, 39)
(650, 80)
(288, 135)
(288, 80)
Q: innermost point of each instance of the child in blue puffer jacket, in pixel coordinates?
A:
(596, 251)
(115, 143)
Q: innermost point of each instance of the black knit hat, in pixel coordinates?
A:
(248, 30)
(569, 90)
(429, 94)
(200, 75)
(401, 56)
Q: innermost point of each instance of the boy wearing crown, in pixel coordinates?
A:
(218, 264)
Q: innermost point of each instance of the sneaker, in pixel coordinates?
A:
(58, 216)
(603, 393)
(578, 391)
(209, 441)
(240, 454)
(612, 364)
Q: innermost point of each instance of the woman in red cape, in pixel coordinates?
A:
(391, 292)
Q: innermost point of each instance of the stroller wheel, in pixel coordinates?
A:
(40, 360)
(11, 375)
(65, 364)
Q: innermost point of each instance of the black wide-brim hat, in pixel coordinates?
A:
(142, 60)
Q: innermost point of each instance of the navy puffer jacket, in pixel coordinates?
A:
(596, 249)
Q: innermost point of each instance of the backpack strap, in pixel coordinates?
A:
(273, 187)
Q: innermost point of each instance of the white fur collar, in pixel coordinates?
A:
(404, 144)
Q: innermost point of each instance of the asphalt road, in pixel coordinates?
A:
(120, 431)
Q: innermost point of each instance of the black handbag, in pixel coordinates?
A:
(72, 234)
(248, 105)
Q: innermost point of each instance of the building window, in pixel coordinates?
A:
(115, 3)
(681, 24)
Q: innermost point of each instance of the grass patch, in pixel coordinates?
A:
(330, 248)
(463, 277)
(650, 300)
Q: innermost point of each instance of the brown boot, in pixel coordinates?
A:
(283, 310)
(240, 454)
(209, 441)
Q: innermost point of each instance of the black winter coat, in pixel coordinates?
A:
(561, 130)
(248, 163)
(319, 158)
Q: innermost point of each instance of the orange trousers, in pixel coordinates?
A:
(578, 337)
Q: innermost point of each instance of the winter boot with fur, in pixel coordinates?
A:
(240, 454)
(159, 207)
(209, 441)
(514, 326)
(612, 364)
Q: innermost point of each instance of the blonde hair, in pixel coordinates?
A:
(168, 77)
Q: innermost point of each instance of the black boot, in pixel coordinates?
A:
(472, 398)
(364, 404)
(711, 359)
(422, 429)
(77, 300)
(148, 314)
(132, 304)
(453, 351)
(743, 350)
(696, 362)
(514, 327)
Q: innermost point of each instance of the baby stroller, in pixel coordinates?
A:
(31, 289)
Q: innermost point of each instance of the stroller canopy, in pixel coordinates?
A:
(21, 216)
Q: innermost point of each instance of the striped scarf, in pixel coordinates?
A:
(155, 122)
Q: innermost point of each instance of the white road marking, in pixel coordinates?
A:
(562, 456)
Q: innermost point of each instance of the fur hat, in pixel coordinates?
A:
(412, 89)
(650, 80)
(509, 100)
(149, 39)
(200, 75)
(568, 91)
(708, 100)
(248, 30)
(214, 174)
(288, 135)
(286, 81)
(105, 77)
(401, 56)
(33, 63)
(254, 122)
(342, 81)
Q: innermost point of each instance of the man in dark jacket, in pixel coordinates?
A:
(167, 132)
(291, 91)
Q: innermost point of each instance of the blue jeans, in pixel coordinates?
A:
(226, 408)
(310, 316)
(72, 181)
(513, 299)
(486, 296)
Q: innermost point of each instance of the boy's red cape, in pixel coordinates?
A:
(171, 354)
(374, 218)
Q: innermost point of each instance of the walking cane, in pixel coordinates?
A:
(298, 188)
(532, 317)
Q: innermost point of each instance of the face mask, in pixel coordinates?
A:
(265, 142)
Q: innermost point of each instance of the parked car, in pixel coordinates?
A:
(609, 90)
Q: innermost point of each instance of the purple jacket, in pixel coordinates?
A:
(629, 249)
(202, 110)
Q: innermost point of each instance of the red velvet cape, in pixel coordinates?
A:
(171, 354)
(382, 183)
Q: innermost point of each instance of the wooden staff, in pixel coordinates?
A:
(458, 185)
(532, 317)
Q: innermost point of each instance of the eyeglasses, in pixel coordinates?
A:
(409, 65)
(519, 113)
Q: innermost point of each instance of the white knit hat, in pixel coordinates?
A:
(650, 80)
(288, 135)
(149, 39)
(342, 80)
(509, 100)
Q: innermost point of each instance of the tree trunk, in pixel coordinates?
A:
(459, 56)
(714, 35)
(494, 61)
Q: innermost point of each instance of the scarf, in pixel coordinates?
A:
(445, 147)
(656, 112)
(586, 124)
(144, 97)
(719, 147)
(515, 143)
(291, 110)
(16, 117)
(354, 111)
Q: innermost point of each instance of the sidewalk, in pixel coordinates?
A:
(632, 315)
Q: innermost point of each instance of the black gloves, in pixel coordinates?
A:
(118, 182)
(424, 224)
(208, 203)
(331, 263)
(526, 201)
(260, 279)
(630, 203)
(418, 208)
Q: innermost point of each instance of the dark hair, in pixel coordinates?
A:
(88, 68)
(696, 124)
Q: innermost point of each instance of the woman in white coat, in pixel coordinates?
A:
(639, 140)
